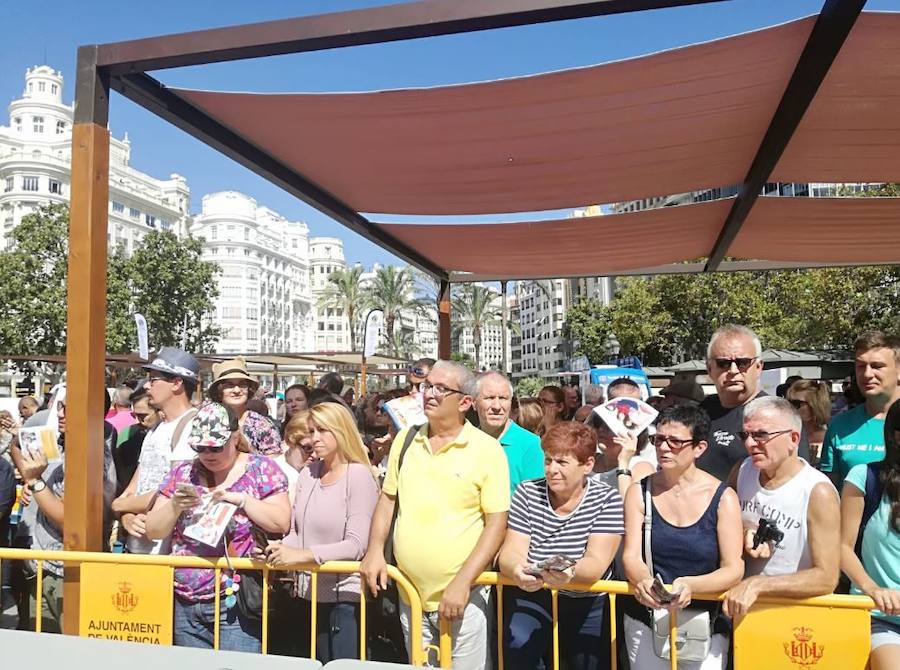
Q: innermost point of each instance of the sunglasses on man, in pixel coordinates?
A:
(743, 364)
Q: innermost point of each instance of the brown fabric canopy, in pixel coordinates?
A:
(851, 131)
(672, 122)
(801, 230)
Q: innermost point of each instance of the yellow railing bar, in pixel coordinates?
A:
(613, 655)
(446, 644)
(39, 598)
(500, 627)
(673, 637)
(554, 626)
(216, 600)
(313, 612)
(362, 621)
(265, 610)
(331, 567)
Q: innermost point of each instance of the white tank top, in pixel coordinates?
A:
(786, 506)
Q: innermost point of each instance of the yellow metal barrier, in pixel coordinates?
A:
(332, 567)
(835, 603)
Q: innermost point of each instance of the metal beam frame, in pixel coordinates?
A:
(825, 41)
(390, 23)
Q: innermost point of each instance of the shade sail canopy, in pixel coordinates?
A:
(671, 122)
(793, 230)
(851, 131)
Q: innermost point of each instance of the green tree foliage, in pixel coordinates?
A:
(344, 292)
(175, 291)
(529, 387)
(670, 318)
(393, 291)
(473, 308)
(33, 274)
(165, 280)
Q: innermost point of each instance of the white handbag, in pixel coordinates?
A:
(694, 632)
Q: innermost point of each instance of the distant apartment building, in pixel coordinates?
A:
(35, 169)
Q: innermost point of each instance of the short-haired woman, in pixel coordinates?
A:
(876, 570)
(813, 401)
(223, 470)
(336, 496)
(695, 542)
(565, 514)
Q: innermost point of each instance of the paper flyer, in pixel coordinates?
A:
(626, 414)
(406, 411)
(38, 439)
(209, 521)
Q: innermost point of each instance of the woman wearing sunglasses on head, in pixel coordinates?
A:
(813, 402)
(256, 488)
(694, 537)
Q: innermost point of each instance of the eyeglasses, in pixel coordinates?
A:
(226, 385)
(439, 391)
(417, 371)
(151, 380)
(798, 403)
(761, 436)
(199, 449)
(675, 444)
(743, 364)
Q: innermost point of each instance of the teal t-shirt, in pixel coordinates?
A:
(524, 453)
(880, 545)
(853, 438)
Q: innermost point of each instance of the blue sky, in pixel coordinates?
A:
(50, 31)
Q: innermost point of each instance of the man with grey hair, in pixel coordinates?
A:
(493, 402)
(593, 394)
(734, 364)
(790, 512)
(449, 482)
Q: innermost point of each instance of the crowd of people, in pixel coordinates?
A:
(738, 492)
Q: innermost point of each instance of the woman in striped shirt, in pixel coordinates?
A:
(564, 514)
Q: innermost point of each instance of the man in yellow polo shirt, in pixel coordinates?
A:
(453, 489)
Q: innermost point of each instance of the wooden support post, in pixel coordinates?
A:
(86, 324)
(444, 321)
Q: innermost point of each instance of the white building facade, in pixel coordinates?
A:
(265, 299)
(35, 169)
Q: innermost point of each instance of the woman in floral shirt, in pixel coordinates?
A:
(222, 471)
(233, 387)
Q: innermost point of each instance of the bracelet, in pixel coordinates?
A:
(623, 472)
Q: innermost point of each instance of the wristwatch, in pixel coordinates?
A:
(623, 472)
(37, 485)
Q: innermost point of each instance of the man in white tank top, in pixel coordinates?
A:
(775, 484)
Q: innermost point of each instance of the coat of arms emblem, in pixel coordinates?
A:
(124, 600)
(802, 650)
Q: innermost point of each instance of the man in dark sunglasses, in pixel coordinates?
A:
(734, 364)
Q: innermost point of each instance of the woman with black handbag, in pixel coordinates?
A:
(333, 506)
(682, 527)
(254, 490)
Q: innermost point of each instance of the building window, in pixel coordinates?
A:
(134, 213)
(55, 186)
(246, 234)
(38, 122)
(150, 220)
(54, 89)
(166, 225)
(29, 183)
(42, 86)
(18, 122)
(214, 232)
(118, 207)
(10, 184)
(60, 127)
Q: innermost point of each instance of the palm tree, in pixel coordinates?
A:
(474, 308)
(392, 291)
(344, 292)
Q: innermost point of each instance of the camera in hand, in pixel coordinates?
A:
(767, 531)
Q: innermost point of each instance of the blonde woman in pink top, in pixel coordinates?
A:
(333, 506)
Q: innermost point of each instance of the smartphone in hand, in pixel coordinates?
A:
(186, 490)
(660, 592)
